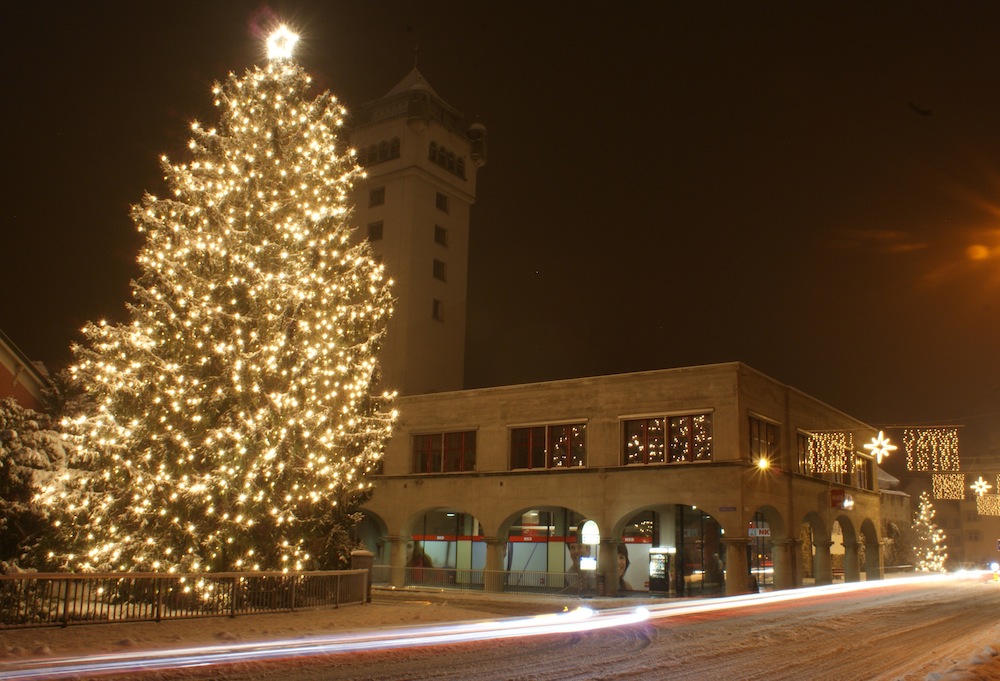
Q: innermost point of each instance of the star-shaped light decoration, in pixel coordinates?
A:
(981, 487)
(880, 447)
(281, 43)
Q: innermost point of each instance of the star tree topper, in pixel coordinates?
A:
(880, 447)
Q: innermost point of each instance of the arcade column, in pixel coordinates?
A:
(852, 562)
(397, 560)
(822, 563)
(737, 568)
(784, 554)
(493, 574)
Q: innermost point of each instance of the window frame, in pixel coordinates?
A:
(431, 453)
(441, 235)
(440, 270)
(539, 448)
(664, 451)
(772, 447)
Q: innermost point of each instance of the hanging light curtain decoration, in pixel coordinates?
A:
(988, 504)
(948, 485)
(931, 449)
(829, 451)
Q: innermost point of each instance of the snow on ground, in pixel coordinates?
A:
(942, 633)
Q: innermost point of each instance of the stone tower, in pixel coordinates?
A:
(421, 158)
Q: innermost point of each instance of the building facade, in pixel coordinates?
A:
(700, 480)
(21, 378)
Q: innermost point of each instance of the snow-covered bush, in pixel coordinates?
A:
(32, 455)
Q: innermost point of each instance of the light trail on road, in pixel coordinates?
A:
(577, 620)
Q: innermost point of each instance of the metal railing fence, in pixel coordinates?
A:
(48, 599)
(501, 581)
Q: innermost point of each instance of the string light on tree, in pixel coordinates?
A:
(981, 487)
(930, 550)
(880, 447)
(232, 423)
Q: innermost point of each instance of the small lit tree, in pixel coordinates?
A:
(929, 548)
(232, 423)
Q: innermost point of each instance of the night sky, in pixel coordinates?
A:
(810, 188)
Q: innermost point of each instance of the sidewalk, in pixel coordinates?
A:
(389, 608)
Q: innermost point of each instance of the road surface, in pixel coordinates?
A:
(900, 631)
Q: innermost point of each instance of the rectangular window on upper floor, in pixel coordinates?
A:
(376, 197)
(440, 235)
(685, 438)
(437, 310)
(375, 231)
(441, 201)
(444, 452)
(545, 447)
(440, 270)
(765, 441)
(804, 460)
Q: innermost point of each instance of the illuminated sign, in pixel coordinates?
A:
(839, 498)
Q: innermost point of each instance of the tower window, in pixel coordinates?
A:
(440, 235)
(447, 159)
(375, 231)
(442, 202)
(437, 310)
(439, 270)
(376, 197)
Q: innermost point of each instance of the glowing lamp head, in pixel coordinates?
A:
(281, 43)
(763, 464)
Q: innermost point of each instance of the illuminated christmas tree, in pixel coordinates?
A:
(231, 423)
(930, 550)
